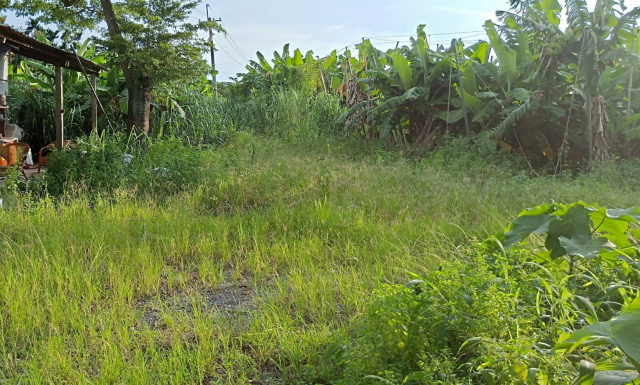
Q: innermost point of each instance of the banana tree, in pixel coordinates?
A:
(405, 85)
(577, 64)
(282, 71)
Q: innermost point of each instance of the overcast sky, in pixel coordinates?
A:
(322, 26)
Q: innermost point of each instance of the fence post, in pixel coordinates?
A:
(59, 109)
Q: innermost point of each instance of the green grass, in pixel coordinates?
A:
(249, 277)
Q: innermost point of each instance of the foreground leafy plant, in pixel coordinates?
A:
(578, 230)
(621, 332)
(496, 313)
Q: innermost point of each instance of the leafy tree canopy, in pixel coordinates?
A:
(157, 40)
(153, 41)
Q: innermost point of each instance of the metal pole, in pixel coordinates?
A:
(464, 104)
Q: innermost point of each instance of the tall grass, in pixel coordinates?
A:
(199, 119)
(245, 277)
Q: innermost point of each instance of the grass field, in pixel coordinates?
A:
(249, 277)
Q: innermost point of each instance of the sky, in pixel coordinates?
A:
(322, 26)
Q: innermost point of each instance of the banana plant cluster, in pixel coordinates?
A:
(407, 86)
(283, 71)
(556, 94)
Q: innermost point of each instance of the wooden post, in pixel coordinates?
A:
(59, 109)
(94, 105)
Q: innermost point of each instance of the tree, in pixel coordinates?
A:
(152, 40)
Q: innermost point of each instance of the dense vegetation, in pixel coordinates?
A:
(268, 268)
(334, 220)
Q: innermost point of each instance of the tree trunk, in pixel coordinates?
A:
(139, 107)
(139, 89)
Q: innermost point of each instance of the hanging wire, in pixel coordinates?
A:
(228, 54)
(242, 55)
(431, 34)
(233, 43)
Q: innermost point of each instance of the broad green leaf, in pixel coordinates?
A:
(519, 94)
(473, 103)
(420, 31)
(335, 83)
(450, 116)
(538, 210)
(614, 366)
(552, 8)
(525, 226)
(622, 331)
(331, 61)
(411, 95)
(574, 223)
(613, 229)
(631, 215)
(585, 247)
(423, 55)
(481, 52)
(297, 58)
(404, 70)
(614, 377)
(487, 112)
(263, 62)
(512, 119)
(524, 54)
(308, 58)
(507, 57)
(41, 68)
(469, 83)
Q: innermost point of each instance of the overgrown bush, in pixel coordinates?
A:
(104, 164)
(477, 156)
(496, 315)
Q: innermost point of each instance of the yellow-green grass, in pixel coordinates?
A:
(246, 279)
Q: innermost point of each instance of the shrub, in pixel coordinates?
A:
(495, 315)
(94, 165)
(104, 164)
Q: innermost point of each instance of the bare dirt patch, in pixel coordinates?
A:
(229, 299)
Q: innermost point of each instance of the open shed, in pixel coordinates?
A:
(12, 41)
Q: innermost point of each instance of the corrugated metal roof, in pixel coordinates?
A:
(24, 45)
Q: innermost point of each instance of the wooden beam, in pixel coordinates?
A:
(94, 105)
(59, 109)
